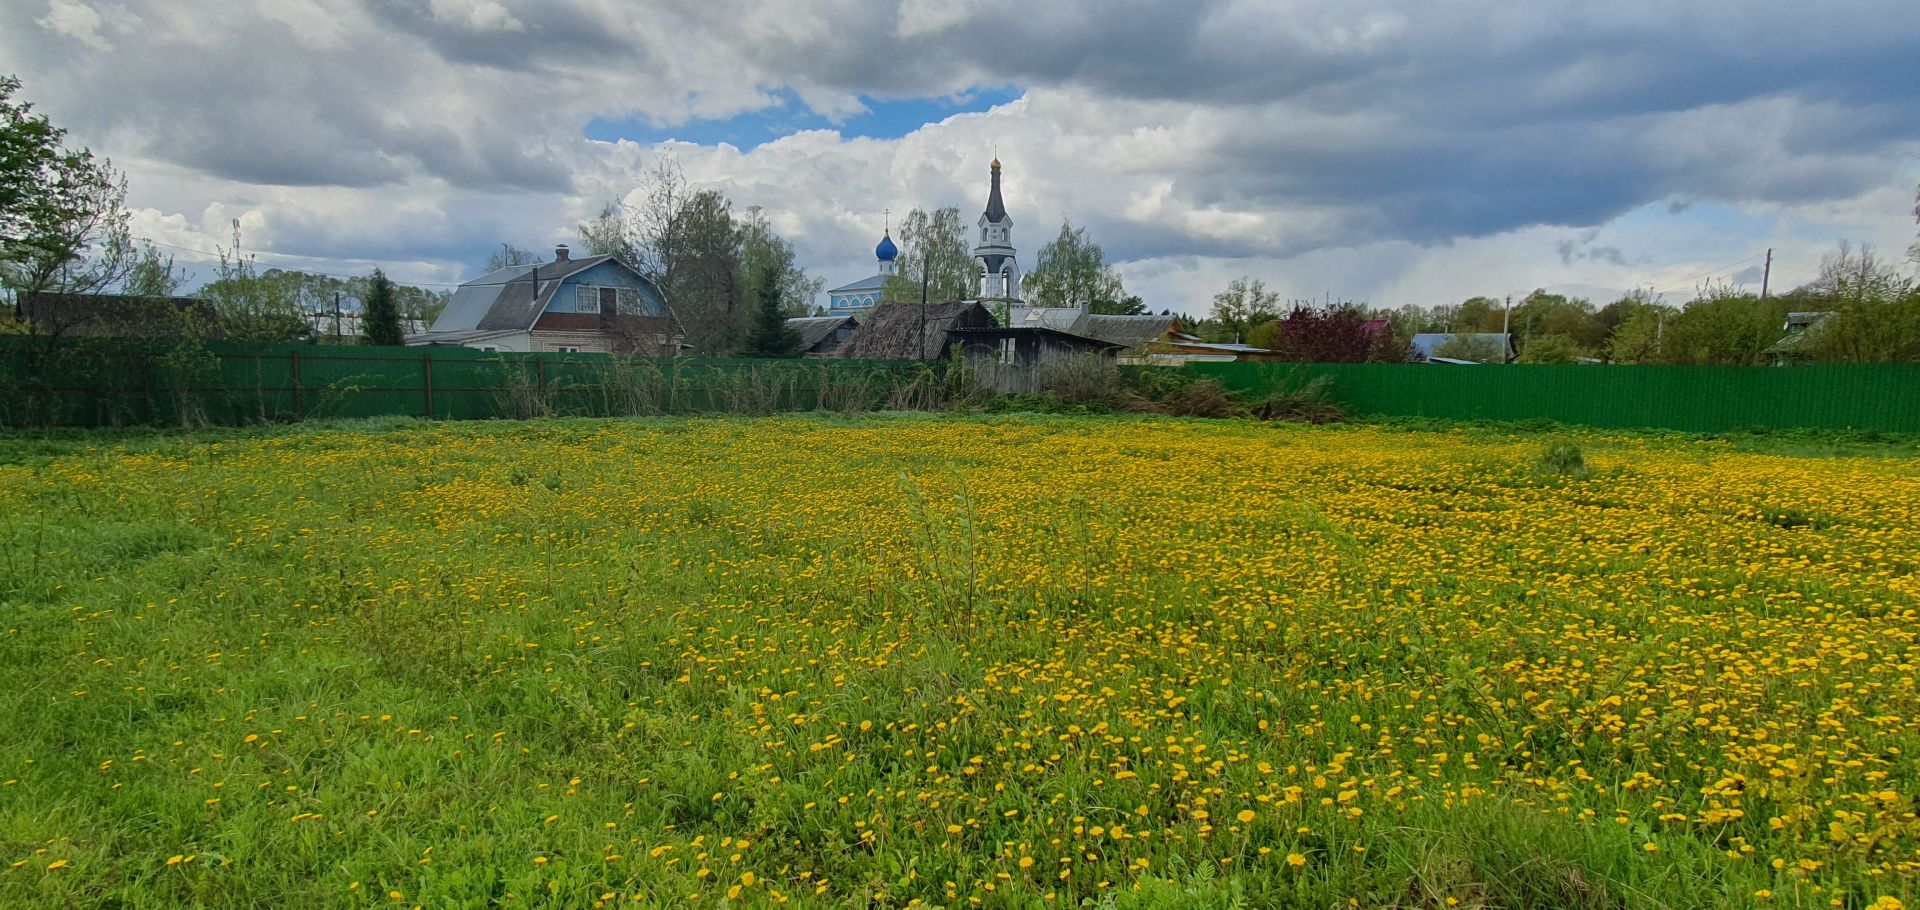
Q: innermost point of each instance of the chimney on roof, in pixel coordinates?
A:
(560, 253)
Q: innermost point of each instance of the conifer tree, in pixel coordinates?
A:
(771, 336)
(379, 316)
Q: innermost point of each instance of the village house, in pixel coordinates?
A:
(1796, 346)
(1017, 359)
(570, 305)
(114, 315)
(912, 331)
(822, 336)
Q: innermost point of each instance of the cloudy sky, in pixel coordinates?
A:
(1396, 152)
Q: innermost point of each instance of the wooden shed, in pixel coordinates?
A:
(1017, 358)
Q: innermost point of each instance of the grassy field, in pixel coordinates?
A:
(918, 661)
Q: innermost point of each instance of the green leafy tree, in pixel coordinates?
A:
(1875, 311)
(1412, 319)
(612, 233)
(771, 336)
(763, 253)
(1552, 349)
(1725, 327)
(252, 306)
(1913, 252)
(1541, 313)
(1474, 314)
(934, 245)
(1638, 329)
(63, 218)
(1244, 305)
(1072, 270)
(151, 275)
(701, 280)
(1477, 347)
(707, 263)
(510, 255)
(1128, 305)
(379, 314)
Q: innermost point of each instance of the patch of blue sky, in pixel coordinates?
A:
(882, 119)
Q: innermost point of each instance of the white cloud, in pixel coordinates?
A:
(75, 20)
(1402, 152)
(481, 16)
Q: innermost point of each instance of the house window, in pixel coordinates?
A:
(586, 299)
(1008, 350)
(488, 349)
(568, 349)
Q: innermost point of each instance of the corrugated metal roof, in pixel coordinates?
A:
(463, 337)
(1125, 331)
(1427, 342)
(869, 283)
(505, 298)
(1060, 318)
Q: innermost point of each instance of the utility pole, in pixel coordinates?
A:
(336, 317)
(926, 276)
(1766, 275)
(1506, 326)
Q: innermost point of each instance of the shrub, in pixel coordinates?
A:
(1304, 402)
(1205, 398)
(1091, 381)
(1564, 459)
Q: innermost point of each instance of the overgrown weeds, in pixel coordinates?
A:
(1564, 459)
(1298, 400)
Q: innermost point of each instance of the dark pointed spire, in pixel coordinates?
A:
(996, 210)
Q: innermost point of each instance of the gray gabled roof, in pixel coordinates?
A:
(895, 331)
(1125, 331)
(505, 299)
(815, 329)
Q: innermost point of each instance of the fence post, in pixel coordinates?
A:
(299, 407)
(426, 364)
(542, 364)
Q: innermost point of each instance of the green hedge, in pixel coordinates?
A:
(1861, 397)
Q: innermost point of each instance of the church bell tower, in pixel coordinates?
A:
(999, 270)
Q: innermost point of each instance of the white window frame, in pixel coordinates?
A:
(566, 349)
(588, 296)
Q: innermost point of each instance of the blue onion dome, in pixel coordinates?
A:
(886, 251)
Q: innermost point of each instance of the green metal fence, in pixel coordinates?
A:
(1879, 397)
(102, 382)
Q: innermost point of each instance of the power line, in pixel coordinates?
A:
(216, 254)
(1717, 271)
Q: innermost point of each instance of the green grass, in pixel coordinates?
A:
(562, 662)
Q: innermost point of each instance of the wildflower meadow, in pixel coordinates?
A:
(919, 661)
